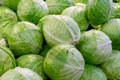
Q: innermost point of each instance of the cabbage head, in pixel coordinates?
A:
(59, 29)
(112, 66)
(93, 73)
(116, 13)
(7, 19)
(33, 62)
(25, 39)
(64, 62)
(95, 46)
(12, 4)
(57, 6)
(20, 74)
(7, 60)
(32, 10)
(99, 11)
(112, 29)
(79, 1)
(78, 14)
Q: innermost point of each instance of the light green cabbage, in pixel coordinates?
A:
(112, 29)
(7, 19)
(59, 29)
(78, 14)
(93, 73)
(64, 62)
(112, 66)
(12, 4)
(57, 6)
(7, 60)
(95, 46)
(20, 74)
(99, 11)
(25, 39)
(116, 13)
(33, 62)
(32, 10)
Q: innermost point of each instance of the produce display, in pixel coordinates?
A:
(59, 39)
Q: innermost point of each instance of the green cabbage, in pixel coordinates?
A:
(12, 4)
(93, 73)
(59, 29)
(7, 19)
(95, 46)
(20, 74)
(25, 39)
(78, 14)
(33, 62)
(7, 60)
(64, 62)
(116, 13)
(99, 11)
(112, 66)
(32, 10)
(112, 29)
(57, 6)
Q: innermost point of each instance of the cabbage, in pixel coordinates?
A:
(112, 29)
(25, 39)
(7, 19)
(12, 4)
(78, 14)
(64, 62)
(116, 13)
(20, 74)
(59, 29)
(33, 62)
(79, 1)
(95, 46)
(57, 6)
(7, 60)
(32, 10)
(112, 66)
(93, 73)
(99, 11)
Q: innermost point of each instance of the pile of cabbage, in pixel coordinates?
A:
(59, 39)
